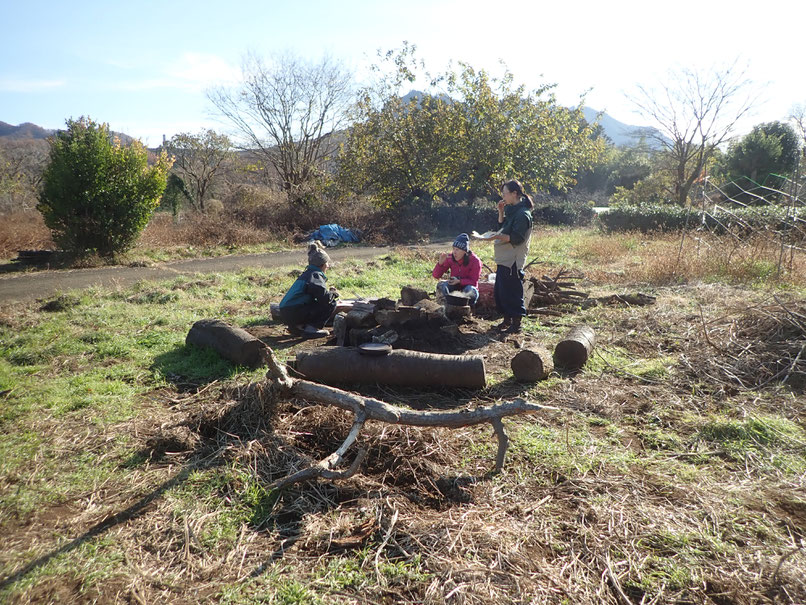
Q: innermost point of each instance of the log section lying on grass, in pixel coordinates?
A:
(574, 350)
(233, 344)
(532, 364)
(367, 408)
(404, 368)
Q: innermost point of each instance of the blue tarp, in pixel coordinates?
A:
(332, 234)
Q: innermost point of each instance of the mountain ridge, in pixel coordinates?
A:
(620, 133)
(31, 131)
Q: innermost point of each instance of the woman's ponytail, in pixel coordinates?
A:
(516, 186)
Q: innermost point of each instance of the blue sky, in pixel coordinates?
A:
(143, 67)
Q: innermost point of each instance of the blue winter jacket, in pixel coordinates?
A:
(310, 287)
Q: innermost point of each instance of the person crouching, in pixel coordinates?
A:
(309, 303)
(464, 267)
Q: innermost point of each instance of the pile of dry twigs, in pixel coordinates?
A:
(760, 346)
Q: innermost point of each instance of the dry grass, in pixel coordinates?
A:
(624, 498)
(23, 231)
(682, 259)
(246, 221)
(593, 507)
(203, 231)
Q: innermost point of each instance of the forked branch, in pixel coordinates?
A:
(368, 408)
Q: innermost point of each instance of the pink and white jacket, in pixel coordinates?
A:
(468, 274)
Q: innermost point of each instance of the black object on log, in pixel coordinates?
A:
(234, 344)
(574, 350)
(532, 364)
(400, 367)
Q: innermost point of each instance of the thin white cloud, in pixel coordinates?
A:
(191, 72)
(203, 70)
(30, 85)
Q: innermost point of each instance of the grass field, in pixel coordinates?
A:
(134, 469)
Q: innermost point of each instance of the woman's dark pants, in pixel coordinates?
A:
(508, 291)
(316, 314)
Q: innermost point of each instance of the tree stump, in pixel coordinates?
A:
(410, 296)
(532, 364)
(574, 350)
(234, 344)
(455, 312)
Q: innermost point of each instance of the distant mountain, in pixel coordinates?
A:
(34, 132)
(417, 95)
(24, 131)
(622, 135)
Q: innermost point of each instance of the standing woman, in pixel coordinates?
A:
(511, 247)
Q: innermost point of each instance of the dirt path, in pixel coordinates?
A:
(42, 284)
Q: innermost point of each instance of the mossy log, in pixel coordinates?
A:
(232, 343)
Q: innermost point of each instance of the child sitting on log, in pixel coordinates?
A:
(309, 303)
(464, 267)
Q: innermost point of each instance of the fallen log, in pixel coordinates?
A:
(574, 350)
(234, 344)
(638, 299)
(532, 364)
(401, 367)
(367, 408)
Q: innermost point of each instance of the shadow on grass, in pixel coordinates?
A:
(219, 434)
(219, 431)
(189, 367)
(123, 516)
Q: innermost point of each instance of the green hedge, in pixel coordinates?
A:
(564, 213)
(667, 217)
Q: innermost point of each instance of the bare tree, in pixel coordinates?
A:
(197, 161)
(286, 112)
(798, 117)
(22, 162)
(694, 113)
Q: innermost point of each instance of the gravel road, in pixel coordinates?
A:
(34, 285)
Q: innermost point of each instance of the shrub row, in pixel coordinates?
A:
(564, 213)
(667, 217)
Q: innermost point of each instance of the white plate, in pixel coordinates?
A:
(485, 235)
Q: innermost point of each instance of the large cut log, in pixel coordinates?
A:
(574, 350)
(401, 367)
(233, 344)
(532, 364)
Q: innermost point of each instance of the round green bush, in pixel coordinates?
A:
(97, 194)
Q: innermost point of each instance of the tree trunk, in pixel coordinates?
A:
(573, 351)
(233, 344)
(406, 368)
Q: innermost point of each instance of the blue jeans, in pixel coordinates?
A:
(473, 292)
